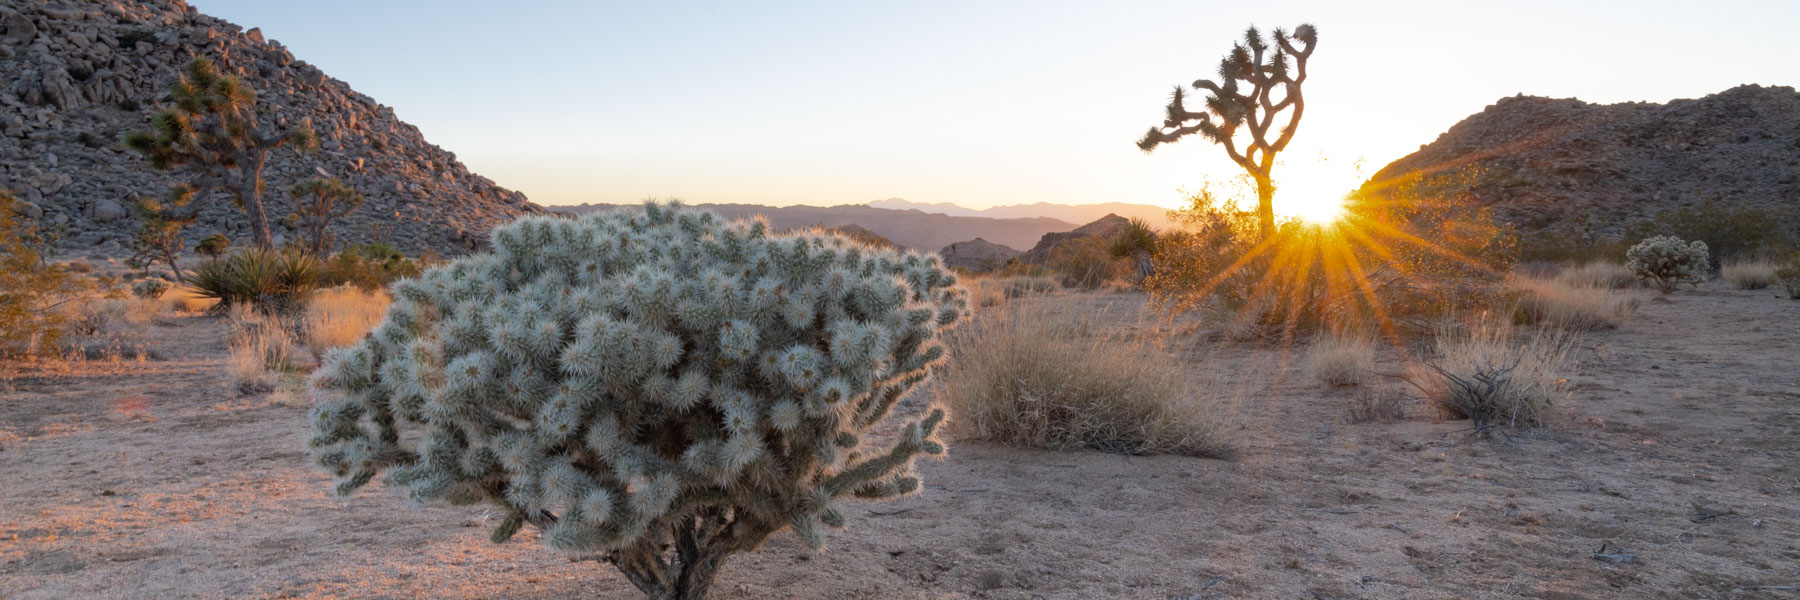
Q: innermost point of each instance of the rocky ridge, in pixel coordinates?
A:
(79, 75)
(1542, 163)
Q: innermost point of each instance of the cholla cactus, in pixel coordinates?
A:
(659, 387)
(150, 287)
(1669, 261)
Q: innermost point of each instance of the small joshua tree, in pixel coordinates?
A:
(317, 202)
(213, 246)
(1264, 67)
(656, 388)
(212, 129)
(1668, 261)
(158, 237)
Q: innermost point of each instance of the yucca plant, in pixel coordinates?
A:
(269, 280)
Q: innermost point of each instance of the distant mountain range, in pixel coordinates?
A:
(916, 229)
(1071, 213)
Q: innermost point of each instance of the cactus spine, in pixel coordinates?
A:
(658, 387)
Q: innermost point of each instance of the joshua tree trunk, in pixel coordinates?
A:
(1265, 205)
(249, 191)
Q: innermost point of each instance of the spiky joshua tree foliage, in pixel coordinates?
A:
(1243, 104)
(318, 202)
(655, 388)
(213, 130)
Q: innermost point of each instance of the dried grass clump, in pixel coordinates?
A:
(1577, 307)
(1026, 285)
(340, 316)
(261, 348)
(1371, 405)
(185, 300)
(1604, 274)
(1749, 275)
(1484, 374)
(1340, 360)
(1030, 377)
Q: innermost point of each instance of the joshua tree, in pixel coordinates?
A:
(317, 202)
(212, 130)
(158, 237)
(1251, 107)
(214, 246)
(655, 388)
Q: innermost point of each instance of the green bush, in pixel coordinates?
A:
(1668, 261)
(370, 267)
(29, 285)
(150, 287)
(271, 281)
(1730, 232)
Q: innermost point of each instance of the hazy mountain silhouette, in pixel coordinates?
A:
(910, 228)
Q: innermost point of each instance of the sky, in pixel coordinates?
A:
(979, 103)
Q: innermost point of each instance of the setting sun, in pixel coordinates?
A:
(1316, 209)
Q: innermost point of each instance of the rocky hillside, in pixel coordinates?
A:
(909, 228)
(978, 255)
(1542, 163)
(75, 76)
(1103, 228)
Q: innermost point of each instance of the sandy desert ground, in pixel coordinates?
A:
(1679, 447)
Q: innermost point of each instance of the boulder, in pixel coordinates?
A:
(106, 210)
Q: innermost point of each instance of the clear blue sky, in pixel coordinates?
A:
(978, 103)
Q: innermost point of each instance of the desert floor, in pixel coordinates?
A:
(1680, 445)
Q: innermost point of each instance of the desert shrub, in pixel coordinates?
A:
(1560, 303)
(184, 299)
(1787, 275)
(369, 266)
(1402, 265)
(150, 287)
(1136, 244)
(1668, 262)
(657, 387)
(1026, 285)
(1086, 263)
(30, 287)
(1340, 360)
(1374, 405)
(1729, 231)
(213, 246)
(260, 349)
(1032, 378)
(338, 317)
(1484, 374)
(1749, 275)
(1597, 274)
(273, 281)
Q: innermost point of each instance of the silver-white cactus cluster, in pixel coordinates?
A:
(1668, 261)
(613, 377)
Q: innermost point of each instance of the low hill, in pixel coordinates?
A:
(977, 255)
(910, 228)
(76, 76)
(1542, 163)
(1157, 216)
(1103, 228)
